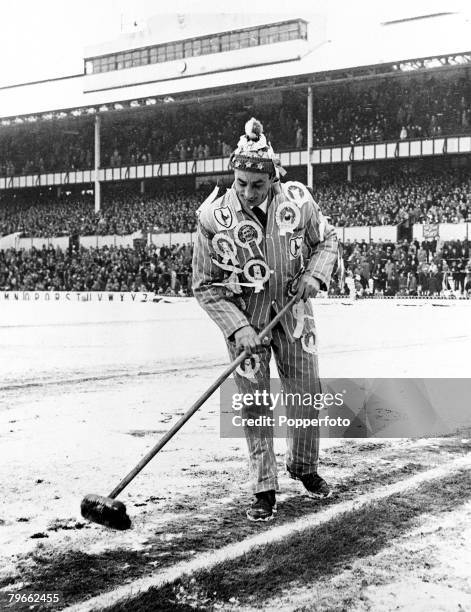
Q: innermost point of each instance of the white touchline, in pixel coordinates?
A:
(208, 560)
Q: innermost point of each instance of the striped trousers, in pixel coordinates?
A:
(299, 374)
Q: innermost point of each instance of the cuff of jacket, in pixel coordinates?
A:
(229, 332)
(322, 275)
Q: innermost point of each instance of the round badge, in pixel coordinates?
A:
(249, 367)
(298, 311)
(257, 271)
(287, 217)
(224, 247)
(298, 314)
(308, 342)
(246, 232)
(297, 193)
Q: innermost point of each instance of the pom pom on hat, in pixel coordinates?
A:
(253, 129)
(254, 153)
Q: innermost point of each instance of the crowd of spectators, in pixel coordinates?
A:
(433, 197)
(198, 132)
(159, 270)
(406, 268)
(40, 147)
(119, 215)
(178, 134)
(387, 109)
(382, 268)
(393, 109)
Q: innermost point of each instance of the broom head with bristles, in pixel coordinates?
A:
(105, 511)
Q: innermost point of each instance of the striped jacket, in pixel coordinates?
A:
(241, 271)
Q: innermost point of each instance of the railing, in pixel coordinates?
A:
(15, 241)
(398, 149)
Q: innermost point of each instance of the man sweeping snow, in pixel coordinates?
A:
(251, 242)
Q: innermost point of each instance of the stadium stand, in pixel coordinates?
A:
(382, 268)
(410, 104)
(120, 215)
(164, 270)
(436, 197)
(388, 110)
(392, 110)
(408, 268)
(406, 198)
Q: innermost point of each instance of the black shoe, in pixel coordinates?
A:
(263, 508)
(314, 485)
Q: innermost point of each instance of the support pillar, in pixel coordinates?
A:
(143, 187)
(97, 163)
(310, 169)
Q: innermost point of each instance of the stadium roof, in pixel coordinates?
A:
(384, 43)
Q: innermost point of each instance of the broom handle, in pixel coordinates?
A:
(199, 402)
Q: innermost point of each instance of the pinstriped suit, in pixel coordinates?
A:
(298, 369)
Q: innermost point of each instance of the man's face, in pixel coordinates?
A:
(251, 187)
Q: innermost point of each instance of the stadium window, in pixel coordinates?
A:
(253, 38)
(205, 46)
(243, 40)
(225, 42)
(188, 48)
(153, 55)
(214, 44)
(263, 36)
(178, 50)
(161, 53)
(273, 34)
(292, 30)
(170, 48)
(196, 47)
(284, 34)
(234, 41)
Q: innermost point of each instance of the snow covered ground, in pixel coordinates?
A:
(43, 342)
(88, 387)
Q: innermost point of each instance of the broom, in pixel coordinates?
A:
(112, 513)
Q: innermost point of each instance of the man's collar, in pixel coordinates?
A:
(264, 205)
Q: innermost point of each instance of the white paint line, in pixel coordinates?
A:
(209, 560)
